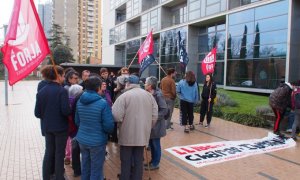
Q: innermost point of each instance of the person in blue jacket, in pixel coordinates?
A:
(188, 93)
(94, 118)
(52, 107)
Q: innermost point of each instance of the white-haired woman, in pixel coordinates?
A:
(159, 129)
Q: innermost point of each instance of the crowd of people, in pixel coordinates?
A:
(79, 117)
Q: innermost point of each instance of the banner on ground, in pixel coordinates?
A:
(200, 155)
(25, 45)
(209, 62)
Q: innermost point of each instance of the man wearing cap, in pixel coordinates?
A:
(136, 112)
(279, 100)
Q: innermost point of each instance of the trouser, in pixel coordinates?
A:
(279, 116)
(76, 165)
(92, 162)
(155, 151)
(204, 111)
(131, 162)
(187, 109)
(55, 149)
(296, 122)
(68, 154)
(170, 104)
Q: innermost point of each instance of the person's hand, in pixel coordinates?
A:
(209, 99)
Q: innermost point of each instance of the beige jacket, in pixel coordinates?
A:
(136, 112)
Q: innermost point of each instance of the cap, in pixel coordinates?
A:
(133, 79)
(289, 84)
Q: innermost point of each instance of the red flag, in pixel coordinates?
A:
(209, 62)
(146, 48)
(25, 44)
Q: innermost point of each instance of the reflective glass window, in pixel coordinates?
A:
(241, 17)
(270, 10)
(264, 74)
(273, 37)
(273, 50)
(239, 29)
(269, 24)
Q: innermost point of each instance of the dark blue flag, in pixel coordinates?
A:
(183, 57)
(149, 59)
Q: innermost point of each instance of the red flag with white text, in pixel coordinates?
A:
(209, 62)
(146, 48)
(25, 45)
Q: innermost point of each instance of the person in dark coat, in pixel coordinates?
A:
(279, 100)
(52, 106)
(159, 129)
(208, 95)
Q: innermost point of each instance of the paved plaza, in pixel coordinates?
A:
(22, 147)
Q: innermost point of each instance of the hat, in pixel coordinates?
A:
(133, 79)
(289, 85)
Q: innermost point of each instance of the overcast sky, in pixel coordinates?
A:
(5, 12)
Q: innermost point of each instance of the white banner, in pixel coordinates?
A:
(200, 155)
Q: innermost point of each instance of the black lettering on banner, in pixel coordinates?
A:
(192, 157)
(249, 146)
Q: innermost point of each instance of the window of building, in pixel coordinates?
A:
(257, 46)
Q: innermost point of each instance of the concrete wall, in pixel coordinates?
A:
(108, 51)
(294, 44)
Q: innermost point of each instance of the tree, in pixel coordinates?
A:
(56, 36)
(243, 68)
(60, 45)
(229, 53)
(62, 54)
(255, 52)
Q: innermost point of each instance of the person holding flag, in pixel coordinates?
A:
(209, 91)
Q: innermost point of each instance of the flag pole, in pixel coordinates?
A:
(5, 74)
(160, 67)
(53, 62)
(134, 58)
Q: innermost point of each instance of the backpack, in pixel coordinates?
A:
(297, 99)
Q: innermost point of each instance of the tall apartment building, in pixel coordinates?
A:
(45, 12)
(257, 40)
(89, 36)
(65, 14)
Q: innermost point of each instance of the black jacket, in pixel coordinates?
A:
(206, 90)
(52, 107)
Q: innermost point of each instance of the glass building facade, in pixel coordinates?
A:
(254, 38)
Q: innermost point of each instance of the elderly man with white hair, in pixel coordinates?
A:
(159, 130)
(136, 112)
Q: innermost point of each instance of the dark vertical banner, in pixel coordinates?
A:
(183, 57)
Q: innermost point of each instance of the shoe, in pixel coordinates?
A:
(151, 167)
(67, 161)
(146, 165)
(282, 136)
(192, 127)
(201, 123)
(288, 130)
(207, 126)
(187, 129)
